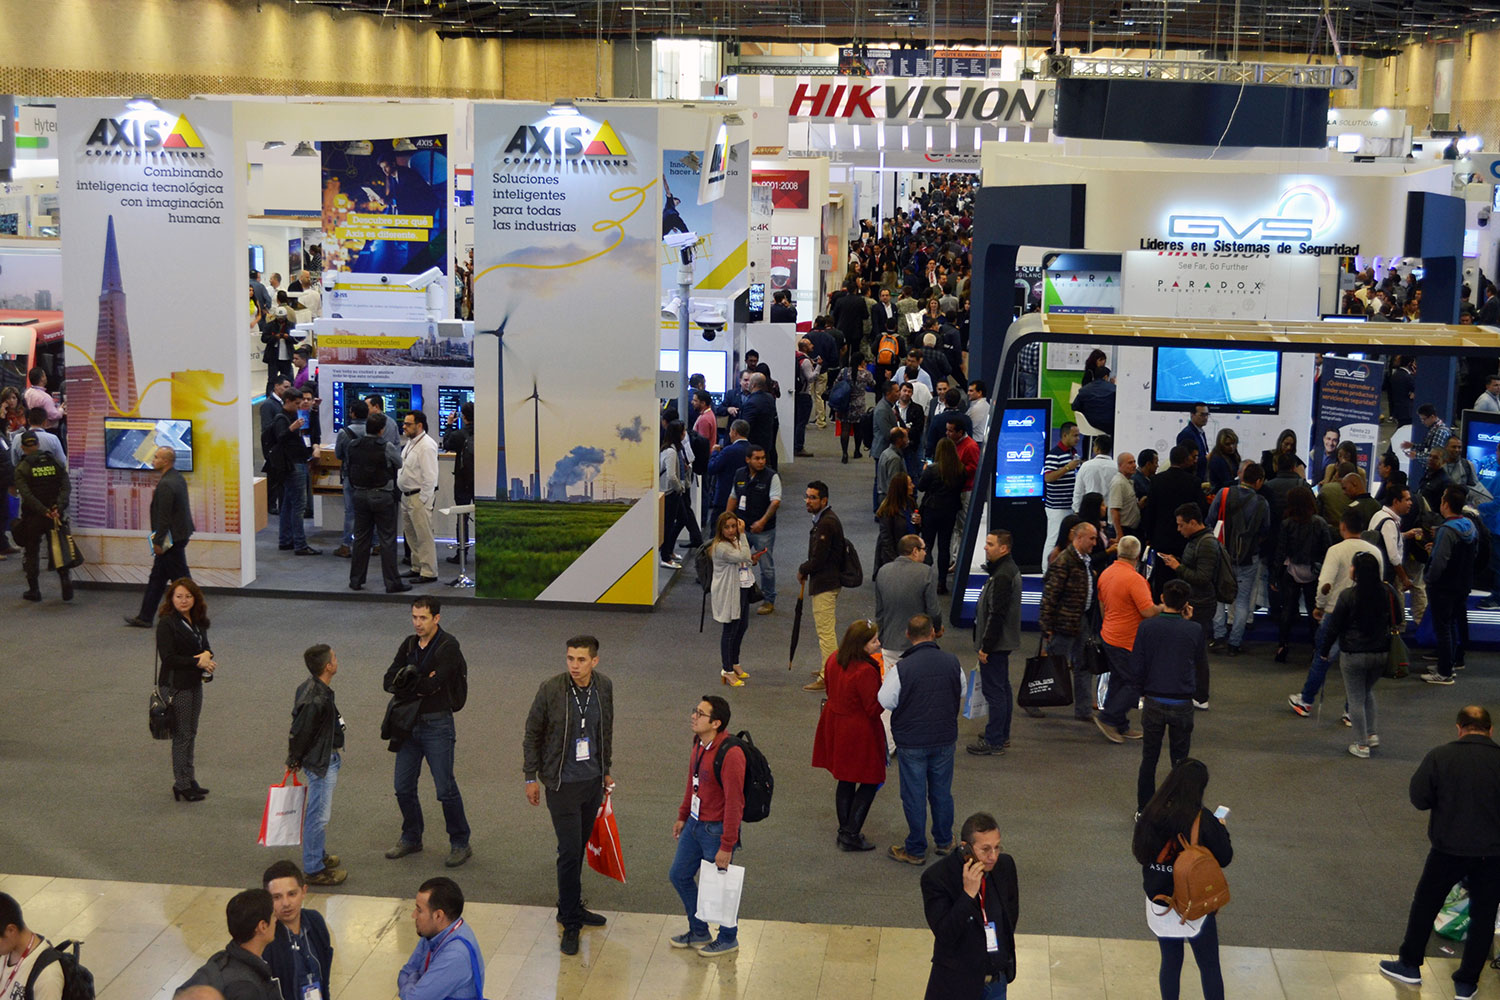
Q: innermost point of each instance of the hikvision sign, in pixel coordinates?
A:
(977, 102)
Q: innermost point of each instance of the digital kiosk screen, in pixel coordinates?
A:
(1482, 446)
(1021, 450)
(397, 397)
(450, 399)
(1236, 381)
(130, 442)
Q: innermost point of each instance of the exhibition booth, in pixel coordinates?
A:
(1203, 280)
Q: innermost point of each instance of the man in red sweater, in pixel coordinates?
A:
(708, 820)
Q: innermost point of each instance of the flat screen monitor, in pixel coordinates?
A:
(398, 397)
(1230, 381)
(450, 399)
(130, 442)
(1482, 446)
(712, 365)
(757, 302)
(1021, 450)
(257, 258)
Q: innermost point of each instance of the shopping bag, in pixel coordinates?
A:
(1094, 659)
(1453, 919)
(603, 849)
(719, 893)
(1047, 683)
(281, 822)
(62, 551)
(975, 705)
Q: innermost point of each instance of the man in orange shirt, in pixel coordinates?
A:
(1125, 597)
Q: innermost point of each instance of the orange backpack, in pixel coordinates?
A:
(1198, 884)
(890, 349)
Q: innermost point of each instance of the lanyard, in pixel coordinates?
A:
(698, 760)
(583, 706)
(16, 969)
(983, 913)
(194, 630)
(445, 936)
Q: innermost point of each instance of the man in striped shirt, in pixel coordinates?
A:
(1059, 471)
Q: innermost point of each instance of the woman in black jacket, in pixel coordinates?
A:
(1300, 544)
(1362, 622)
(941, 487)
(895, 518)
(187, 663)
(1171, 814)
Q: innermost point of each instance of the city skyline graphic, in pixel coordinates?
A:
(105, 386)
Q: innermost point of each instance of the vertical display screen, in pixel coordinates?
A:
(1020, 452)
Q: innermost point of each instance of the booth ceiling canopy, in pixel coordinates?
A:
(1361, 26)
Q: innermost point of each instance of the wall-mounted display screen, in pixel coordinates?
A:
(712, 365)
(398, 397)
(130, 442)
(1232, 381)
(450, 399)
(1021, 450)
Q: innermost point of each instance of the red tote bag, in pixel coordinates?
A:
(603, 849)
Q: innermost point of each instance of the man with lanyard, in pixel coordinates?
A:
(21, 952)
(426, 667)
(972, 902)
(708, 820)
(301, 954)
(568, 747)
(756, 497)
(418, 483)
(445, 965)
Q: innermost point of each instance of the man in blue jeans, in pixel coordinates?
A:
(1333, 579)
(923, 692)
(708, 820)
(997, 633)
(316, 737)
(429, 668)
(1449, 575)
(1169, 651)
(1247, 516)
(289, 456)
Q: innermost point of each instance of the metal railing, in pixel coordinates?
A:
(1325, 77)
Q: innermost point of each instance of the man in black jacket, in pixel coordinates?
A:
(316, 737)
(429, 668)
(301, 953)
(42, 485)
(171, 527)
(239, 972)
(1169, 490)
(997, 634)
(972, 902)
(1198, 568)
(288, 460)
(569, 746)
(269, 407)
(1460, 783)
(370, 464)
(1169, 651)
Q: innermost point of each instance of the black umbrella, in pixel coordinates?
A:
(796, 625)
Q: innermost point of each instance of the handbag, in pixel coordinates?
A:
(281, 821)
(756, 594)
(62, 550)
(1047, 683)
(603, 848)
(159, 710)
(1094, 659)
(1398, 658)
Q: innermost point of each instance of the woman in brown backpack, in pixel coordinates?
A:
(1160, 829)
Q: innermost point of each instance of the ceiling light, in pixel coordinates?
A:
(304, 148)
(564, 108)
(274, 144)
(142, 102)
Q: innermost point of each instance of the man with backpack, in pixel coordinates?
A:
(32, 969)
(568, 747)
(1206, 571)
(822, 573)
(708, 819)
(239, 972)
(429, 670)
(1335, 577)
(1450, 575)
(1245, 515)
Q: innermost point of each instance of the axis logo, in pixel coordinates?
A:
(586, 142)
(1304, 212)
(148, 132)
(1025, 454)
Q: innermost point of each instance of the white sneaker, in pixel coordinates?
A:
(1373, 741)
(1362, 752)
(1201, 706)
(1433, 677)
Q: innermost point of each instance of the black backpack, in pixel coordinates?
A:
(1373, 535)
(852, 574)
(759, 785)
(703, 565)
(78, 982)
(1226, 587)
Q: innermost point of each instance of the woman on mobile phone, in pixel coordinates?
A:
(850, 739)
(187, 663)
(1176, 814)
(730, 593)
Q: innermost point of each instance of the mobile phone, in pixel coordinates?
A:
(1221, 813)
(763, 551)
(965, 851)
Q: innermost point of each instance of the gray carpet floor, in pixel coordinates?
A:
(1327, 847)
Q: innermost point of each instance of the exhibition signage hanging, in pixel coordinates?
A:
(721, 225)
(1220, 286)
(1347, 409)
(789, 188)
(846, 99)
(1293, 225)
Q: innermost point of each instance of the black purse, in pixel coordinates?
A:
(159, 709)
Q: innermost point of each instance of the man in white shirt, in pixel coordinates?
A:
(22, 949)
(1336, 577)
(417, 482)
(310, 299)
(1095, 475)
(1488, 401)
(979, 410)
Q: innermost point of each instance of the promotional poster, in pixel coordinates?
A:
(1347, 409)
(151, 191)
(385, 220)
(722, 254)
(567, 224)
(423, 365)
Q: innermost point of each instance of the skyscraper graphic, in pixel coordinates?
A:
(105, 498)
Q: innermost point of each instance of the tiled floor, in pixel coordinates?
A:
(142, 940)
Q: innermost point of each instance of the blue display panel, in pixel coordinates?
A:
(1020, 452)
(399, 398)
(130, 442)
(1239, 381)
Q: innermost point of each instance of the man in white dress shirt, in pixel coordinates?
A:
(417, 482)
(1097, 473)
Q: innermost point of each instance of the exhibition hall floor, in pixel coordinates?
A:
(1327, 847)
(141, 941)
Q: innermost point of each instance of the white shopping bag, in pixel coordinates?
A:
(719, 893)
(281, 822)
(975, 706)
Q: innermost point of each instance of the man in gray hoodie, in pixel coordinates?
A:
(1449, 576)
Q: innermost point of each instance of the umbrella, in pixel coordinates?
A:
(796, 625)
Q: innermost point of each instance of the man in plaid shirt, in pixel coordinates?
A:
(1435, 439)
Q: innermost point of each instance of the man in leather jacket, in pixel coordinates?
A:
(314, 745)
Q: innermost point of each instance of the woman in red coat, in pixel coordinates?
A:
(850, 742)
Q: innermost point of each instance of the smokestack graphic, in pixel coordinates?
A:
(579, 465)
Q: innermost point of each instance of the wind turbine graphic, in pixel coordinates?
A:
(502, 482)
(536, 440)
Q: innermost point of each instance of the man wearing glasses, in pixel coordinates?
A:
(708, 820)
(825, 562)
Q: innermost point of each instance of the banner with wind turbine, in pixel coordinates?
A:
(567, 233)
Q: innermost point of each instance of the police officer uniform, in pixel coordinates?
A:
(754, 492)
(43, 486)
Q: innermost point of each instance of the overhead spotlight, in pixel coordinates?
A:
(733, 119)
(404, 146)
(670, 309)
(360, 147)
(274, 144)
(564, 108)
(142, 102)
(304, 148)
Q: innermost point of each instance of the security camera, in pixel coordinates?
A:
(677, 241)
(424, 279)
(330, 281)
(710, 332)
(1484, 216)
(385, 279)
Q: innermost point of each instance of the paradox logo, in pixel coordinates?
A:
(1026, 421)
(1304, 212)
(1024, 455)
(1354, 374)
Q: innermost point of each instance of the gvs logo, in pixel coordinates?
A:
(1026, 421)
(1303, 213)
(1353, 374)
(1488, 438)
(1025, 454)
